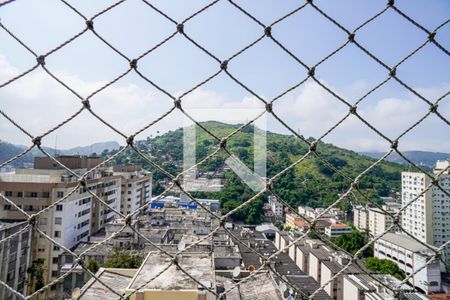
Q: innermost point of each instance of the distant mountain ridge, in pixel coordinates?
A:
(421, 158)
(8, 150)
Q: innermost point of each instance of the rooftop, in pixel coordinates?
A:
(198, 265)
(308, 285)
(339, 225)
(405, 242)
(117, 279)
(259, 287)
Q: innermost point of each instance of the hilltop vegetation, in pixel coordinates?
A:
(310, 182)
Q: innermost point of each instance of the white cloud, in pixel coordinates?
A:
(313, 111)
(38, 102)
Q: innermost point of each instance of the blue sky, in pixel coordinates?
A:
(134, 27)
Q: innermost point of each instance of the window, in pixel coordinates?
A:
(33, 195)
(59, 207)
(20, 194)
(7, 207)
(57, 234)
(8, 194)
(58, 220)
(59, 194)
(56, 248)
(43, 221)
(54, 273)
(55, 260)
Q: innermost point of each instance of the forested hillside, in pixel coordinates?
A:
(311, 182)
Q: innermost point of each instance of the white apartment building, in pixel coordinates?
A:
(410, 256)
(379, 221)
(427, 218)
(136, 187)
(363, 287)
(337, 229)
(374, 219)
(360, 217)
(276, 207)
(310, 213)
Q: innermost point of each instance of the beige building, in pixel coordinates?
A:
(291, 219)
(65, 215)
(374, 219)
(136, 187)
(379, 221)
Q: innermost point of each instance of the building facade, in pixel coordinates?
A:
(428, 215)
(67, 214)
(411, 256)
(15, 254)
(337, 229)
(276, 207)
(379, 221)
(136, 188)
(360, 217)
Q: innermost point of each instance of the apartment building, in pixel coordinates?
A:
(374, 219)
(428, 217)
(361, 217)
(364, 287)
(411, 256)
(276, 207)
(136, 187)
(310, 213)
(337, 229)
(66, 214)
(15, 254)
(379, 221)
(291, 218)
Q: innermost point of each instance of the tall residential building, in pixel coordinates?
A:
(136, 187)
(379, 221)
(374, 219)
(71, 220)
(276, 207)
(360, 217)
(427, 218)
(14, 258)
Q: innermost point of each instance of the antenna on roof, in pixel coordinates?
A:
(181, 245)
(236, 272)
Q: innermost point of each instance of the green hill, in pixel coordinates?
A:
(310, 182)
